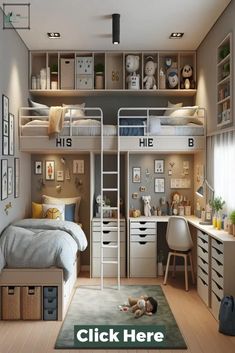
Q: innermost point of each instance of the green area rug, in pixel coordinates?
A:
(96, 309)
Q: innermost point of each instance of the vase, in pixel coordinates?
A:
(219, 222)
(230, 228)
(99, 80)
(214, 221)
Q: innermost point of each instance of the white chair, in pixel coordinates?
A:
(180, 243)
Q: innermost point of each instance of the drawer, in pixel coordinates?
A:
(142, 249)
(31, 303)
(217, 289)
(218, 255)
(202, 235)
(215, 305)
(217, 278)
(96, 228)
(202, 263)
(50, 292)
(202, 274)
(143, 237)
(10, 303)
(50, 303)
(143, 230)
(202, 243)
(218, 245)
(50, 314)
(202, 253)
(216, 265)
(143, 267)
(203, 290)
(110, 270)
(108, 252)
(143, 224)
(112, 223)
(108, 235)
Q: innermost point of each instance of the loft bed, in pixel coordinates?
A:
(138, 129)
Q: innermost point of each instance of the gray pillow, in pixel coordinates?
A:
(38, 111)
(175, 121)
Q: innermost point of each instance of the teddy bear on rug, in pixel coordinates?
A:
(143, 305)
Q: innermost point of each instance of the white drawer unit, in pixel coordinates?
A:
(203, 266)
(215, 305)
(203, 290)
(143, 248)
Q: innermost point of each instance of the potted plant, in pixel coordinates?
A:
(99, 76)
(217, 205)
(232, 220)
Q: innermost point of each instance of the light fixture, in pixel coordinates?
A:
(53, 35)
(116, 28)
(176, 35)
(201, 192)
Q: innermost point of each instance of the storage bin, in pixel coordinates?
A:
(50, 314)
(50, 303)
(11, 303)
(67, 74)
(31, 303)
(85, 65)
(50, 292)
(85, 82)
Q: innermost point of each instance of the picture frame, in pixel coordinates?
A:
(159, 166)
(50, 170)
(5, 128)
(159, 185)
(4, 179)
(78, 166)
(136, 174)
(60, 175)
(10, 181)
(11, 142)
(5, 145)
(5, 107)
(16, 177)
(16, 16)
(38, 167)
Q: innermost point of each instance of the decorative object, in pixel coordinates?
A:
(184, 183)
(116, 28)
(150, 68)
(217, 205)
(142, 188)
(162, 79)
(172, 73)
(132, 66)
(159, 185)
(135, 195)
(16, 16)
(4, 179)
(11, 135)
(7, 207)
(10, 180)
(60, 175)
(5, 107)
(5, 146)
(136, 178)
(78, 166)
(232, 220)
(5, 124)
(38, 167)
(50, 170)
(136, 213)
(159, 166)
(187, 81)
(98, 202)
(17, 177)
(147, 206)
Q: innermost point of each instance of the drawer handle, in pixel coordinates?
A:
(217, 251)
(203, 240)
(11, 290)
(218, 263)
(202, 281)
(106, 231)
(105, 222)
(218, 286)
(217, 273)
(205, 273)
(217, 241)
(142, 229)
(202, 260)
(143, 235)
(219, 300)
(142, 242)
(106, 242)
(203, 250)
(142, 222)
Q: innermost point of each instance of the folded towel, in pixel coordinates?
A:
(56, 120)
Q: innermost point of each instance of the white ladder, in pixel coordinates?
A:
(115, 189)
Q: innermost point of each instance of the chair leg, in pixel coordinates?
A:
(191, 265)
(173, 272)
(186, 272)
(167, 267)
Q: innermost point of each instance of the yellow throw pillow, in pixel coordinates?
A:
(36, 210)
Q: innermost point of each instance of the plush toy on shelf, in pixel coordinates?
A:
(187, 81)
(172, 74)
(147, 207)
(132, 66)
(150, 68)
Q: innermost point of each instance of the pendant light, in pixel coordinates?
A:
(116, 28)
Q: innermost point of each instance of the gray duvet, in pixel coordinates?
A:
(41, 243)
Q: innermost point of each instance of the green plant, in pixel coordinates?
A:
(54, 68)
(217, 203)
(99, 68)
(232, 217)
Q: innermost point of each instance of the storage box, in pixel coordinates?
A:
(31, 303)
(50, 314)
(67, 73)
(85, 65)
(10, 303)
(85, 82)
(50, 303)
(50, 292)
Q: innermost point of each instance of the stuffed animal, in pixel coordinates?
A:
(143, 305)
(172, 75)
(187, 81)
(150, 68)
(147, 207)
(132, 65)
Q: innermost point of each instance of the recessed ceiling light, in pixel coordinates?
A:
(176, 35)
(53, 35)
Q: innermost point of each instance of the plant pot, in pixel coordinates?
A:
(99, 80)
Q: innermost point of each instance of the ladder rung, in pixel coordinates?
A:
(109, 208)
(109, 262)
(110, 228)
(110, 246)
(109, 172)
(110, 189)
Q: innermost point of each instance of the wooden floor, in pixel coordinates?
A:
(198, 326)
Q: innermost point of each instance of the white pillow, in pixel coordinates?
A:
(172, 105)
(53, 211)
(185, 112)
(77, 112)
(87, 122)
(65, 201)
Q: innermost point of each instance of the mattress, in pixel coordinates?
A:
(188, 130)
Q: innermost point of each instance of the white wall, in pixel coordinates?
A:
(14, 84)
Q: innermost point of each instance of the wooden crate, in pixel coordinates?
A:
(11, 303)
(31, 303)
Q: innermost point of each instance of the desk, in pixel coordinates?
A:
(215, 257)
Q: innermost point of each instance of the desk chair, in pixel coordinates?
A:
(180, 243)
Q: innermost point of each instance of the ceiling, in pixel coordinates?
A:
(145, 25)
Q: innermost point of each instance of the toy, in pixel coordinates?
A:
(98, 201)
(172, 73)
(150, 68)
(147, 207)
(143, 305)
(132, 65)
(187, 81)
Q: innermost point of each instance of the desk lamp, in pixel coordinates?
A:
(201, 192)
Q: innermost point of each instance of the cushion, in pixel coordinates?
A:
(175, 121)
(75, 113)
(52, 211)
(172, 105)
(185, 112)
(70, 212)
(66, 201)
(36, 210)
(37, 111)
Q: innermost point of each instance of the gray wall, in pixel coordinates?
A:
(206, 64)
(14, 84)
(68, 187)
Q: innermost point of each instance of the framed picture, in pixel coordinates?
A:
(38, 167)
(50, 170)
(10, 180)
(60, 175)
(159, 185)
(4, 179)
(16, 177)
(16, 16)
(5, 145)
(5, 128)
(78, 166)
(5, 107)
(11, 135)
(159, 166)
(136, 175)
